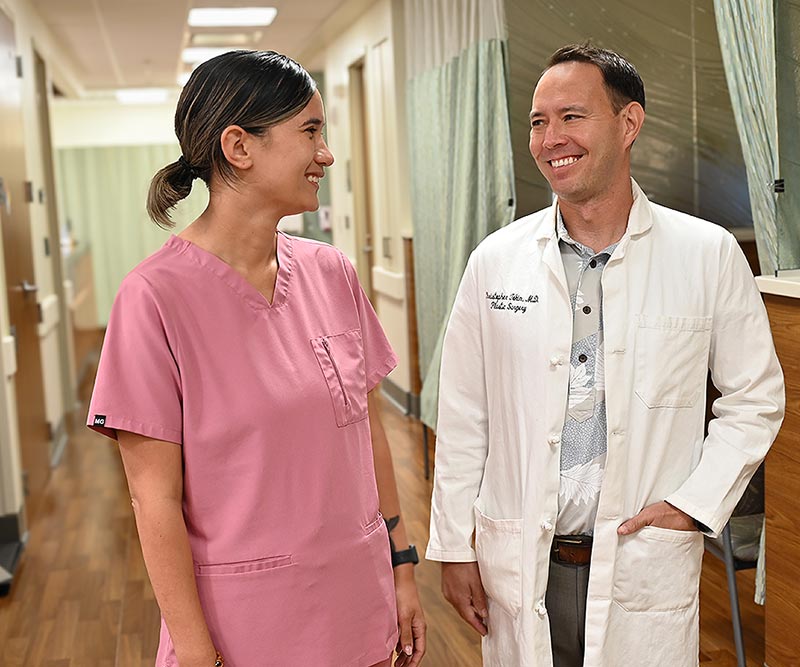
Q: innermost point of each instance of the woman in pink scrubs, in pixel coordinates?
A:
(237, 373)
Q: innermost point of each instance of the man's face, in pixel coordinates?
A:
(577, 140)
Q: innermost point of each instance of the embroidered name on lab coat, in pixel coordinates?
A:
(515, 303)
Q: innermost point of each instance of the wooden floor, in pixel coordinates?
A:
(81, 596)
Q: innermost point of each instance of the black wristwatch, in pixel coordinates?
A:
(405, 556)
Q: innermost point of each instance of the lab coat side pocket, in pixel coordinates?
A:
(498, 544)
(671, 360)
(341, 360)
(658, 570)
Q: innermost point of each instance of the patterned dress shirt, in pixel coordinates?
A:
(583, 440)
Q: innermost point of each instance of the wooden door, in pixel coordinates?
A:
(23, 308)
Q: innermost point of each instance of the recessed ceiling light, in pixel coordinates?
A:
(142, 95)
(194, 55)
(226, 17)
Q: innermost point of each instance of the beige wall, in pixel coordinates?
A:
(374, 35)
(106, 122)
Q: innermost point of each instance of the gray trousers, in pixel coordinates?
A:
(566, 608)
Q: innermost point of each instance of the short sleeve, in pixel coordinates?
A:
(138, 384)
(379, 358)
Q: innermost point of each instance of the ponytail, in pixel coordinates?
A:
(169, 186)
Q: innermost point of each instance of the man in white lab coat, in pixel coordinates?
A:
(572, 476)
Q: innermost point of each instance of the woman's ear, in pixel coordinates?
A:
(235, 144)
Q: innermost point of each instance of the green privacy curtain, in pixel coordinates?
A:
(787, 46)
(462, 176)
(747, 40)
(102, 195)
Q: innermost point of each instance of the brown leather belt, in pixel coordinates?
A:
(572, 549)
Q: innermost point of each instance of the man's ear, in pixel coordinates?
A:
(633, 119)
(235, 144)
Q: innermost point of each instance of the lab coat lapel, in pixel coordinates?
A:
(551, 255)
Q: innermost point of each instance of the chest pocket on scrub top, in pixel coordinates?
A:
(341, 360)
(671, 360)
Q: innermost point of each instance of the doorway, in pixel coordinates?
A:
(62, 345)
(358, 177)
(23, 306)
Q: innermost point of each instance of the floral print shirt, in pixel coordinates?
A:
(583, 439)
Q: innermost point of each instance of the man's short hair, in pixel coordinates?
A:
(621, 79)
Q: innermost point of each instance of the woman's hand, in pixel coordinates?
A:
(411, 645)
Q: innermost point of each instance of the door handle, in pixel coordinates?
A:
(26, 288)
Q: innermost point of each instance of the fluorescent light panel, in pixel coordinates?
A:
(231, 17)
(142, 95)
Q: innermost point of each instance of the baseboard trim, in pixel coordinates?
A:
(404, 401)
(59, 438)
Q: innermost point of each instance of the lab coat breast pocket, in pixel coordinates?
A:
(341, 360)
(671, 360)
(498, 544)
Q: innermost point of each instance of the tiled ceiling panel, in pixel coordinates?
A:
(133, 43)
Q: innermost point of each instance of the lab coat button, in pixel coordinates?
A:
(547, 525)
(554, 439)
(555, 361)
(540, 609)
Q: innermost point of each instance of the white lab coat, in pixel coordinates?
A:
(678, 299)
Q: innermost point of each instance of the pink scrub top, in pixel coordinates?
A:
(269, 403)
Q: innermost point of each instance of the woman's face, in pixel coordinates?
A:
(290, 159)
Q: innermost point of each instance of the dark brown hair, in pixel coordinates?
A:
(621, 79)
(252, 89)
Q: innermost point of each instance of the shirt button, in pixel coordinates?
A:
(540, 609)
(554, 439)
(587, 309)
(547, 525)
(582, 358)
(556, 361)
(593, 264)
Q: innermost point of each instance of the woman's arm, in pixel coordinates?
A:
(155, 479)
(411, 645)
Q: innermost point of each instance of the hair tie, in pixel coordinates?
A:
(185, 164)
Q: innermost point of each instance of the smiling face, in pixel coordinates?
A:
(290, 159)
(580, 144)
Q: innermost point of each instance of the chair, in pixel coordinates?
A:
(737, 546)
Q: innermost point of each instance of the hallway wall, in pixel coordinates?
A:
(375, 36)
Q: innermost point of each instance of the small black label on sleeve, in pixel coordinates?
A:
(99, 420)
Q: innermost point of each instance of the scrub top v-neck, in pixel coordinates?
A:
(269, 404)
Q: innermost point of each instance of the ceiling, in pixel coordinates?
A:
(138, 43)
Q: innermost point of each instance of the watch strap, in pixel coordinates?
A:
(405, 556)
